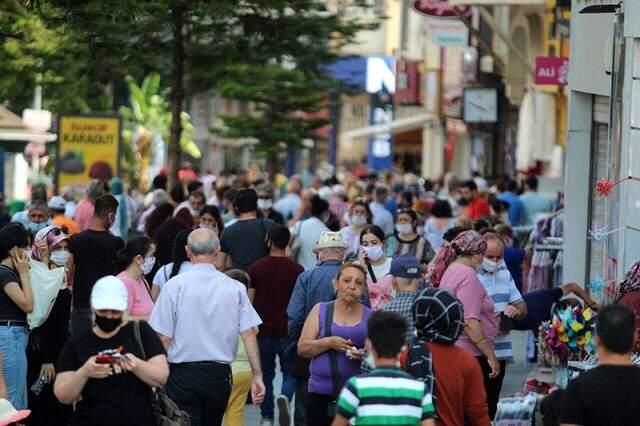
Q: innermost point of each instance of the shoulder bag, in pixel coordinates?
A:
(165, 411)
(333, 363)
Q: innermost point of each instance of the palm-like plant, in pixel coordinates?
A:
(147, 118)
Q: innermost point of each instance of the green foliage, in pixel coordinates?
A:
(147, 117)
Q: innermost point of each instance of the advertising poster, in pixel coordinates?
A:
(88, 148)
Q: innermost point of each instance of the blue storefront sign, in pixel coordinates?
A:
(377, 76)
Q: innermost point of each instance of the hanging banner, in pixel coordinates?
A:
(381, 145)
(552, 70)
(447, 32)
(440, 9)
(88, 148)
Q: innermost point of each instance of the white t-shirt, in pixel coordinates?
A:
(162, 276)
(308, 233)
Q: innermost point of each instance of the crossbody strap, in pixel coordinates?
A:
(333, 362)
(138, 337)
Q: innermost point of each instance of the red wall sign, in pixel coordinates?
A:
(439, 8)
(552, 70)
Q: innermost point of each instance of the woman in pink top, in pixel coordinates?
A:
(137, 260)
(375, 261)
(454, 269)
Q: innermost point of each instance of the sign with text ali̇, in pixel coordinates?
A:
(552, 70)
(88, 148)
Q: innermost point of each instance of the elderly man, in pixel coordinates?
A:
(199, 316)
(36, 217)
(497, 280)
(312, 287)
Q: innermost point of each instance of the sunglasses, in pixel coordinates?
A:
(57, 231)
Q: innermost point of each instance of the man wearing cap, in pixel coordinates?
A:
(199, 316)
(57, 207)
(312, 287)
(407, 278)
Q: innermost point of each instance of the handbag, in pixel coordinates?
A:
(165, 411)
(333, 363)
(45, 284)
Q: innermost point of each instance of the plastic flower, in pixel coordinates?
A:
(604, 187)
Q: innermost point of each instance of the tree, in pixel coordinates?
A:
(281, 48)
(147, 118)
(37, 48)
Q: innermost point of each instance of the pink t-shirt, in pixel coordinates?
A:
(139, 302)
(463, 282)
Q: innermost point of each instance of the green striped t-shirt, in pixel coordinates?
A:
(386, 396)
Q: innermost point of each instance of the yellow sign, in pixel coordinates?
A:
(88, 148)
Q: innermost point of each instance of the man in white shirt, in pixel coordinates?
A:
(288, 205)
(381, 216)
(306, 233)
(199, 316)
(194, 204)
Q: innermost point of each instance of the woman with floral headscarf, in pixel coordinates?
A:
(451, 373)
(454, 269)
(50, 246)
(628, 294)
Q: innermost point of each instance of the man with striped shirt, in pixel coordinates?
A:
(387, 395)
(508, 302)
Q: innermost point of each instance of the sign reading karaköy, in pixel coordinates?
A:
(88, 148)
(552, 70)
(447, 32)
(439, 9)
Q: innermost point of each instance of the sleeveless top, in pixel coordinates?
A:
(320, 380)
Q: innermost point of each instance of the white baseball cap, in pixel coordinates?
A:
(109, 293)
(57, 203)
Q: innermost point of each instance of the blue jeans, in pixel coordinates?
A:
(269, 348)
(13, 346)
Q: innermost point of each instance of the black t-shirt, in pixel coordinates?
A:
(120, 397)
(8, 309)
(606, 395)
(94, 255)
(245, 242)
(539, 304)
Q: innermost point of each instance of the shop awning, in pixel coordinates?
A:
(396, 126)
(496, 2)
(13, 129)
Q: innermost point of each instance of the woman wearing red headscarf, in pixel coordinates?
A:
(454, 269)
(50, 246)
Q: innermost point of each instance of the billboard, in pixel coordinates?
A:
(88, 148)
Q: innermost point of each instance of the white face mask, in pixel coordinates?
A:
(207, 226)
(147, 265)
(358, 220)
(59, 257)
(374, 253)
(264, 204)
(404, 228)
(489, 265)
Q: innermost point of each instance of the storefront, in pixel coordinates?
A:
(603, 237)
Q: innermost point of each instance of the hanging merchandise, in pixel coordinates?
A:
(525, 137)
(536, 137)
(547, 258)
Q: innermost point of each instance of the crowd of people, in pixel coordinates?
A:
(384, 299)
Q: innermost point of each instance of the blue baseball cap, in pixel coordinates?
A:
(405, 267)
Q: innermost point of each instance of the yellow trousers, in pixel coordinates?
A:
(234, 416)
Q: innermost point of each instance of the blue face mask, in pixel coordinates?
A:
(35, 227)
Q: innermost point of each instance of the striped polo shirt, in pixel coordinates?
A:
(386, 396)
(503, 291)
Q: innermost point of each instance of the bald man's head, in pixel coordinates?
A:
(203, 242)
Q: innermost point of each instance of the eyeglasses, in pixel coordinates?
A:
(57, 231)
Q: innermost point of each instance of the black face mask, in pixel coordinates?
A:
(107, 324)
